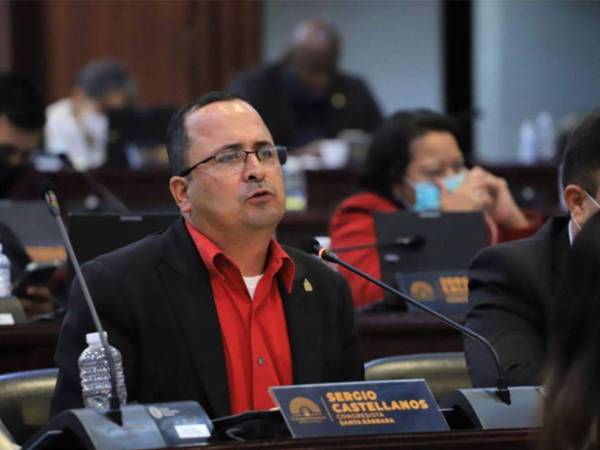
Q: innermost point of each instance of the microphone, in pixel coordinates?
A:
(115, 202)
(124, 427)
(487, 408)
(312, 246)
(115, 403)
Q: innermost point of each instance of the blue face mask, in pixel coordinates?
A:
(427, 194)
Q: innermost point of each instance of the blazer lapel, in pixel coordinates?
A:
(188, 283)
(304, 327)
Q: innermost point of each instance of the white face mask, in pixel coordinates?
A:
(595, 204)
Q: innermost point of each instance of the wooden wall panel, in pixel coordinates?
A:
(176, 50)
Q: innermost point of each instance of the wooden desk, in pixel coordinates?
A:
(32, 346)
(389, 334)
(28, 346)
(451, 440)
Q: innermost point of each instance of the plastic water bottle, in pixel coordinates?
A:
(528, 151)
(5, 286)
(546, 135)
(94, 372)
(295, 185)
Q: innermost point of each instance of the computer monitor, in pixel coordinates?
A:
(95, 234)
(427, 254)
(137, 137)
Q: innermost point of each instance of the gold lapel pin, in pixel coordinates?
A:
(307, 286)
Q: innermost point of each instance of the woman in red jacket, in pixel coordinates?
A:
(415, 163)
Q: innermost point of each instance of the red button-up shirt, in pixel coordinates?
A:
(254, 330)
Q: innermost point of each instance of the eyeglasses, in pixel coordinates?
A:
(232, 161)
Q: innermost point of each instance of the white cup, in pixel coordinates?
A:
(334, 153)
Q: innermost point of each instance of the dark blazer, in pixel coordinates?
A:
(155, 301)
(511, 291)
(266, 90)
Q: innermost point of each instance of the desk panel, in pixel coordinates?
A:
(451, 440)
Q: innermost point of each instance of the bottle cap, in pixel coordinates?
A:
(94, 338)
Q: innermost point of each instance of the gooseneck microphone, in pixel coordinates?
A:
(115, 202)
(122, 427)
(114, 412)
(312, 246)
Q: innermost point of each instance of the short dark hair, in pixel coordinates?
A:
(102, 77)
(21, 102)
(177, 137)
(581, 161)
(389, 151)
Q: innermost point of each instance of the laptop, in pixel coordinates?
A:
(426, 255)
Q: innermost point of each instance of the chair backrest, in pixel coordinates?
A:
(443, 372)
(25, 401)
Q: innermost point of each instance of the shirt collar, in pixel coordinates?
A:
(278, 264)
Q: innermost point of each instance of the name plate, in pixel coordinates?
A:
(442, 290)
(342, 409)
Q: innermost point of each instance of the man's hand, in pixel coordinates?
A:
(39, 301)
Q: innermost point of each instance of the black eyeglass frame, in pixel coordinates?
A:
(281, 150)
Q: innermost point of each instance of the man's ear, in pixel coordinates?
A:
(179, 190)
(574, 196)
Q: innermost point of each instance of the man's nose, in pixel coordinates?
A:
(253, 168)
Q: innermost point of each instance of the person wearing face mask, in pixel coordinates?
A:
(78, 125)
(512, 286)
(415, 163)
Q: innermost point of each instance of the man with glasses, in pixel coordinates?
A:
(215, 309)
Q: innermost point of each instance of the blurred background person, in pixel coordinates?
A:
(415, 163)
(572, 405)
(304, 97)
(78, 125)
(21, 125)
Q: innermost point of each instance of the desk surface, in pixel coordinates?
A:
(452, 440)
(32, 346)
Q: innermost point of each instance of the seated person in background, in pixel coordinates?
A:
(77, 125)
(512, 285)
(21, 124)
(215, 299)
(304, 97)
(572, 404)
(415, 163)
(39, 298)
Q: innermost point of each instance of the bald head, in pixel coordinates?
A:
(316, 35)
(314, 53)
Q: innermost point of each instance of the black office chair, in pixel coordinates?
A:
(25, 401)
(443, 372)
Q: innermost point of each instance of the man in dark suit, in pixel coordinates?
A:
(214, 309)
(512, 285)
(304, 97)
